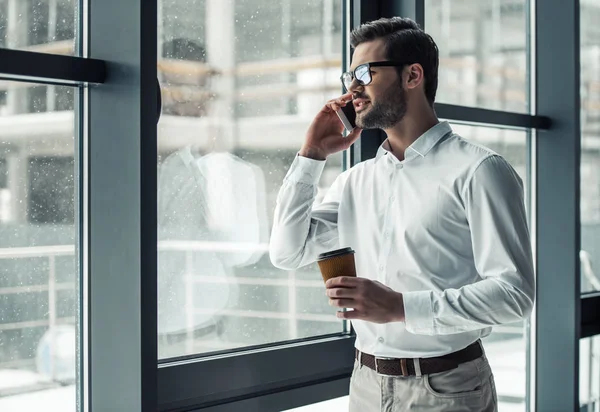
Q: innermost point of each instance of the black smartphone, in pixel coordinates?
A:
(347, 116)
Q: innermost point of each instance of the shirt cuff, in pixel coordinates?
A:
(418, 313)
(305, 170)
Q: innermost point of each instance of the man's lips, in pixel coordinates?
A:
(359, 104)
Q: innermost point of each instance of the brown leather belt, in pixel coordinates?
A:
(407, 367)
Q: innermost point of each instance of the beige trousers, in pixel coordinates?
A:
(468, 388)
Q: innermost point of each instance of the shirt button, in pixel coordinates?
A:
(381, 268)
(392, 199)
(386, 234)
(380, 340)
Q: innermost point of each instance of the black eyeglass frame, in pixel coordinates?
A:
(352, 73)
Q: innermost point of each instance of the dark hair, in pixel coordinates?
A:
(404, 41)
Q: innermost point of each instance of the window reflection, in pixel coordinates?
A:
(212, 218)
(241, 81)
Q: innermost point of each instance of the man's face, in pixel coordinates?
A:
(382, 103)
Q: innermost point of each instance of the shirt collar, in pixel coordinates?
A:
(423, 144)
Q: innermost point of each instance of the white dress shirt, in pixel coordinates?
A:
(446, 227)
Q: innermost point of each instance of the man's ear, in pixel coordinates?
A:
(414, 76)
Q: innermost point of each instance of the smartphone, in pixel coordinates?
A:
(347, 116)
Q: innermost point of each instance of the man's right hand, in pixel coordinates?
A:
(324, 136)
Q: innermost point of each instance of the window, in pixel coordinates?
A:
(241, 82)
(589, 374)
(510, 144)
(41, 25)
(38, 260)
(27, 98)
(590, 148)
(483, 52)
(3, 173)
(51, 190)
(38, 100)
(3, 21)
(64, 99)
(2, 98)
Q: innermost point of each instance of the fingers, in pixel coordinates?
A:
(338, 103)
(338, 293)
(355, 314)
(343, 99)
(342, 282)
(335, 105)
(354, 135)
(343, 303)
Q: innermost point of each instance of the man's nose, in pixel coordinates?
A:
(356, 87)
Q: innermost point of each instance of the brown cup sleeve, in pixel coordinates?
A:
(343, 265)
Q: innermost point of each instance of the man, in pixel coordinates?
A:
(438, 225)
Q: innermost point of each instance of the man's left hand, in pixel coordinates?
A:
(371, 300)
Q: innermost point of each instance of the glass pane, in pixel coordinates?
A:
(506, 347)
(589, 374)
(590, 146)
(483, 52)
(47, 26)
(38, 259)
(241, 82)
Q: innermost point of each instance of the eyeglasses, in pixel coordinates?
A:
(362, 73)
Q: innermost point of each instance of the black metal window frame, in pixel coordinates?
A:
(27, 66)
(121, 371)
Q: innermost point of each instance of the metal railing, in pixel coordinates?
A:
(188, 247)
(51, 286)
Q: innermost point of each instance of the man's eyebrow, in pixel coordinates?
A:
(354, 68)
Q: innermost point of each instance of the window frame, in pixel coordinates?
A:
(119, 297)
(557, 245)
(252, 374)
(35, 67)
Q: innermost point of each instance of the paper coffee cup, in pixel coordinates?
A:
(336, 263)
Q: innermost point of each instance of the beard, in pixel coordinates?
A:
(388, 111)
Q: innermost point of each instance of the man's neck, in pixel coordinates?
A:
(408, 130)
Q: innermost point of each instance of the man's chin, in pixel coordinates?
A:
(360, 120)
(364, 125)
(372, 123)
